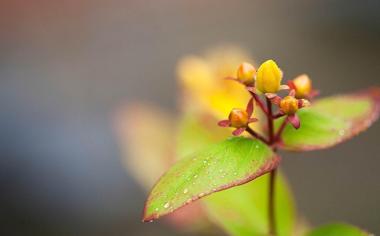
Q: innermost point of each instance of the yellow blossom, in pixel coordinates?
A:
(203, 83)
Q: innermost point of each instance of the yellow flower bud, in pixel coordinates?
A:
(289, 105)
(269, 76)
(303, 86)
(246, 73)
(238, 118)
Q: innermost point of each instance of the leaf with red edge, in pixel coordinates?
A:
(232, 162)
(332, 120)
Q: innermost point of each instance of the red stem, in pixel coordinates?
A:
(272, 139)
(270, 122)
(272, 180)
(256, 135)
(259, 102)
(281, 129)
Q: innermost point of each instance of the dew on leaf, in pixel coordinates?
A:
(185, 191)
(167, 205)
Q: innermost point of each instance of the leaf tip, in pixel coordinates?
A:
(146, 216)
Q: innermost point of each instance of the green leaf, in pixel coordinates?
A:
(332, 120)
(338, 229)
(243, 211)
(232, 162)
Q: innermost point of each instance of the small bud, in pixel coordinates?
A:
(246, 73)
(269, 76)
(238, 118)
(289, 105)
(303, 86)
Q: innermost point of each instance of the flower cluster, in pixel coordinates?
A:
(265, 82)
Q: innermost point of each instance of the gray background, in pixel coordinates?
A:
(66, 66)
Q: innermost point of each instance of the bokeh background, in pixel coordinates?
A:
(67, 66)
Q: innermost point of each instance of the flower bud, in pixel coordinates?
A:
(303, 86)
(238, 118)
(269, 76)
(246, 73)
(289, 105)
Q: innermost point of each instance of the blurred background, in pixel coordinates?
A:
(67, 66)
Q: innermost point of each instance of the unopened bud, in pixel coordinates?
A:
(303, 86)
(238, 118)
(289, 105)
(269, 76)
(246, 73)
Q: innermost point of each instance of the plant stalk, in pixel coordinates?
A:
(256, 135)
(272, 180)
(259, 102)
(271, 204)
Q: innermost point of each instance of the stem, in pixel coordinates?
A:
(272, 180)
(256, 135)
(259, 102)
(271, 205)
(282, 127)
(270, 122)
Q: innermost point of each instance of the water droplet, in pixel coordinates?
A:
(167, 205)
(341, 132)
(185, 190)
(235, 173)
(156, 209)
(257, 146)
(201, 194)
(195, 176)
